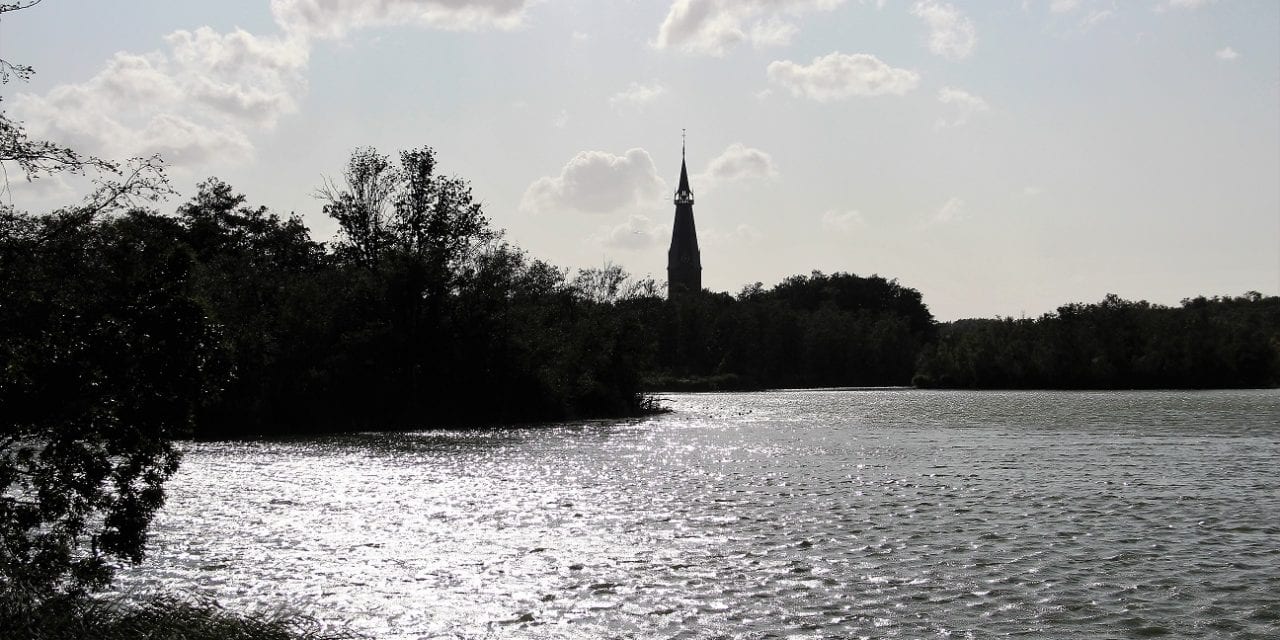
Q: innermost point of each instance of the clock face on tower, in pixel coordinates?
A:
(684, 258)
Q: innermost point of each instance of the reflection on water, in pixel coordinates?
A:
(812, 514)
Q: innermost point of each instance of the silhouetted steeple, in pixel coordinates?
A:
(684, 260)
(683, 193)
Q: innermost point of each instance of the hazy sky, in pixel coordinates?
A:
(1001, 157)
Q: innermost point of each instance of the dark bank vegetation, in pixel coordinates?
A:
(1114, 344)
(157, 617)
(418, 315)
(817, 330)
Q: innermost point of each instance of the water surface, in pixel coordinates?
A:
(803, 514)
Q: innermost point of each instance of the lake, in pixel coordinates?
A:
(881, 513)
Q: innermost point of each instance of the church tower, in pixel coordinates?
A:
(684, 261)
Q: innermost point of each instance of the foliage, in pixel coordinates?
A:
(610, 284)
(418, 314)
(159, 616)
(1115, 343)
(102, 363)
(808, 331)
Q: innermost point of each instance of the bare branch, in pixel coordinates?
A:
(8, 69)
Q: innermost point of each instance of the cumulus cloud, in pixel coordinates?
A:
(192, 103)
(336, 18)
(637, 233)
(738, 162)
(1226, 53)
(202, 97)
(837, 75)
(598, 182)
(715, 26)
(951, 33)
(636, 95)
(842, 221)
(963, 105)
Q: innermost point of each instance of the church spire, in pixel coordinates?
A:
(684, 195)
(684, 260)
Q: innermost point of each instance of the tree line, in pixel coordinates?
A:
(1113, 344)
(816, 330)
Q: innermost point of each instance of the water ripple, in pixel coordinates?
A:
(821, 514)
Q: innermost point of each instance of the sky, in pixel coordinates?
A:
(1002, 157)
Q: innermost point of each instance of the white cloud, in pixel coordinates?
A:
(951, 211)
(837, 75)
(336, 18)
(637, 95)
(562, 119)
(598, 182)
(193, 103)
(715, 26)
(243, 76)
(638, 232)
(203, 97)
(963, 106)
(845, 222)
(738, 162)
(1064, 6)
(951, 33)
(1226, 53)
(1186, 4)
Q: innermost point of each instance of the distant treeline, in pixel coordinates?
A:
(1113, 344)
(808, 331)
(233, 320)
